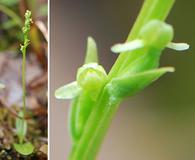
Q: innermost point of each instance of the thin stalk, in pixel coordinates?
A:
(24, 81)
(25, 30)
(95, 129)
(105, 109)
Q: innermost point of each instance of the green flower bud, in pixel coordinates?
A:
(91, 76)
(157, 34)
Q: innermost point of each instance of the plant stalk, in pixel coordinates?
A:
(104, 110)
(95, 129)
(24, 82)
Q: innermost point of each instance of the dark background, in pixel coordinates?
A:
(157, 124)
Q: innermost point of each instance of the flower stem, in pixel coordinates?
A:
(26, 31)
(95, 129)
(104, 110)
(24, 81)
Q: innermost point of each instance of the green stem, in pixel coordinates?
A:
(25, 30)
(95, 129)
(105, 109)
(24, 81)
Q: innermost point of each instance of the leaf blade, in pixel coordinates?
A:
(21, 127)
(25, 148)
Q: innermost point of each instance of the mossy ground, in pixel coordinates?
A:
(37, 133)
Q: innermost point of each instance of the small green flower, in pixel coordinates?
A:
(141, 69)
(90, 79)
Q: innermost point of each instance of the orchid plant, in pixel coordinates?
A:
(96, 95)
(24, 148)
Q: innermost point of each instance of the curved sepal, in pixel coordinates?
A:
(129, 84)
(178, 46)
(92, 53)
(68, 91)
(127, 46)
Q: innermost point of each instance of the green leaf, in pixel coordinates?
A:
(21, 127)
(92, 53)
(129, 84)
(25, 148)
(128, 46)
(68, 91)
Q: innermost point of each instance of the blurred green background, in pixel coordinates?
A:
(158, 123)
(11, 22)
